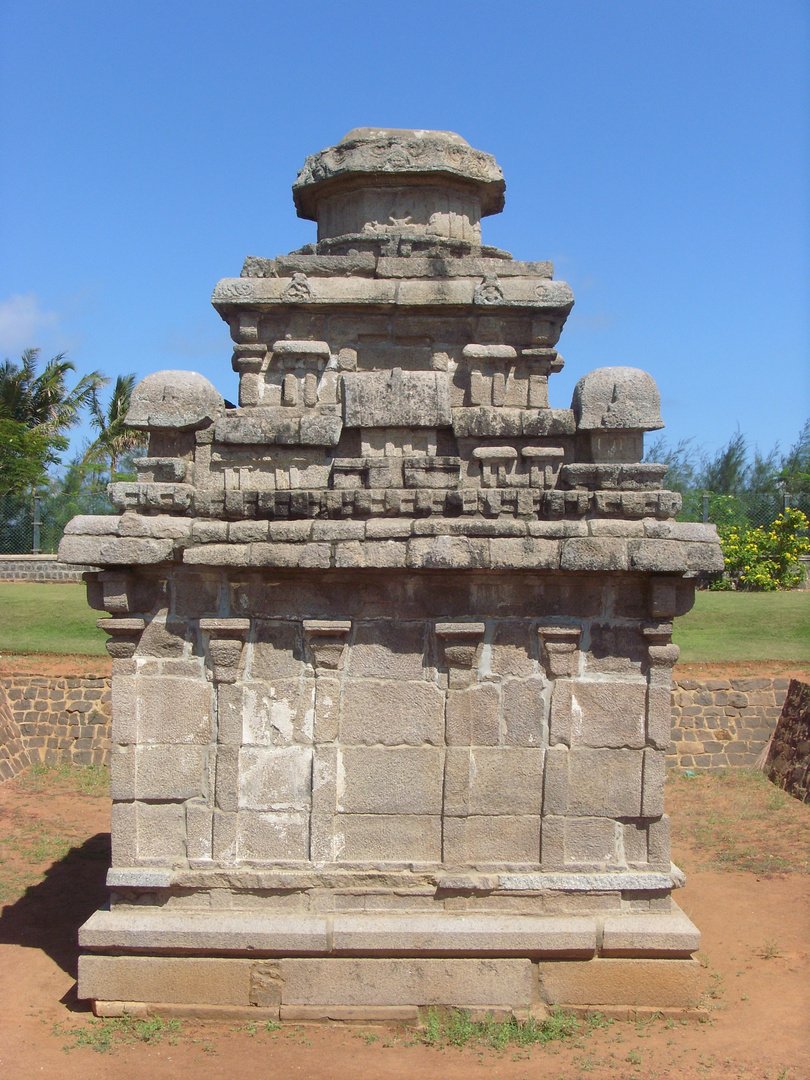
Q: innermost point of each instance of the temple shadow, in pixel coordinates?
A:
(48, 915)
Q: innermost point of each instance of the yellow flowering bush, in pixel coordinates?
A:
(765, 558)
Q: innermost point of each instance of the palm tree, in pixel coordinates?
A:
(44, 401)
(114, 437)
(35, 412)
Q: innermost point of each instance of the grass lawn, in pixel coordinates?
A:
(745, 626)
(39, 617)
(721, 626)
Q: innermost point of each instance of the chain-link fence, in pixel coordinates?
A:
(33, 524)
(748, 508)
(20, 525)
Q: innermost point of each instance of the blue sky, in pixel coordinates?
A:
(657, 151)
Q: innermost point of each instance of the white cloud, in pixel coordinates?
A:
(24, 324)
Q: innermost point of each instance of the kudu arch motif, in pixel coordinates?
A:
(391, 638)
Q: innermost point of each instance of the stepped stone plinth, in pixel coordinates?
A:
(392, 638)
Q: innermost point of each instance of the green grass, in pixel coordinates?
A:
(742, 626)
(38, 617)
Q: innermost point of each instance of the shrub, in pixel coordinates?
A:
(765, 558)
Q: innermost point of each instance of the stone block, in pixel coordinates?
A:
(161, 831)
(594, 553)
(391, 713)
(596, 783)
(658, 843)
(169, 772)
(670, 934)
(268, 837)
(634, 840)
(396, 399)
(324, 803)
(388, 838)
(163, 638)
(607, 713)
(653, 780)
(659, 722)
(199, 829)
(524, 706)
(472, 716)
(661, 984)
(513, 648)
(590, 841)
(478, 933)
(192, 980)
(171, 710)
(123, 833)
(278, 713)
(447, 553)
(124, 708)
(196, 594)
(388, 650)
(151, 928)
(277, 651)
(615, 648)
(391, 781)
(365, 981)
(658, 556)
(524, 553)
(327, 710)
(491, 839)
(277, 778)
(227, 777)
(493, 781)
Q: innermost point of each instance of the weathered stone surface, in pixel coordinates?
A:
(622, 398)
(392, 623)
(668, 984)
(408, 982)
(788, 761)
(493, 781)
(396, 399)
(175, 400)
(391, 781)
(391, 713)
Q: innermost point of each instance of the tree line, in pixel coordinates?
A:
(735, 468)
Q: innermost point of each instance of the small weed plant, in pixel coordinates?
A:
(104, 1035)
(455, 1027)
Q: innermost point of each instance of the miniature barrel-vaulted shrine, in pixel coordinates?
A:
(391, 638)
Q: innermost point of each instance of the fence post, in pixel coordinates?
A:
(705, 508)
(35, 525)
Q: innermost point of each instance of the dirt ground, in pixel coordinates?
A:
(54, 847)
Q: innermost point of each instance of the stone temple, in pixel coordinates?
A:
(392, 638)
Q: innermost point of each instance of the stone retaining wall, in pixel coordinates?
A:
(38, 568)
(723, 723)
(61, 720)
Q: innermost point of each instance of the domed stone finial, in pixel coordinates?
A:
(617, 399)
(379, 181)
(181, 400)
(613, 407)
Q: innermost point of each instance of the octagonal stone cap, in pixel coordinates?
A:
(399, 152)
(174, 399)
(617, 398)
